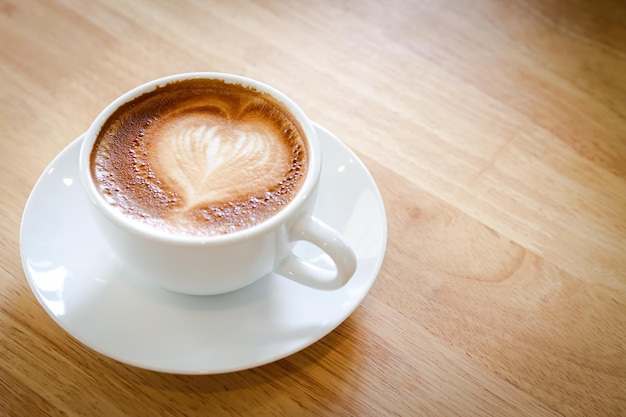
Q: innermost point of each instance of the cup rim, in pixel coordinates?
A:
(149, 232)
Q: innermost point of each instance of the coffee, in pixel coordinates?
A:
(200, 157)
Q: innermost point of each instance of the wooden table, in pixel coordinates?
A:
(496, 132)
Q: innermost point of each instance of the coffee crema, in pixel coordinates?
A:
(200, 157)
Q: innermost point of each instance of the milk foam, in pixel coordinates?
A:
(206, 158)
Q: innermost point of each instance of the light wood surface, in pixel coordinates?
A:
(496, 131)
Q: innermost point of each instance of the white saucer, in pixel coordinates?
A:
(89, 293)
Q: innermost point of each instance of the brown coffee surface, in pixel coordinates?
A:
(200, 157)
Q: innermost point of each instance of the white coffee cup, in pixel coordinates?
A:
(218, 264)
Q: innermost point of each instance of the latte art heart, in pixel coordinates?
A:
(200, 157)
(208, 159)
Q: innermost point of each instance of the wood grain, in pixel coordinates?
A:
(496, 132)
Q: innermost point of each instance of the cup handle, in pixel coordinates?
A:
(313, 230)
